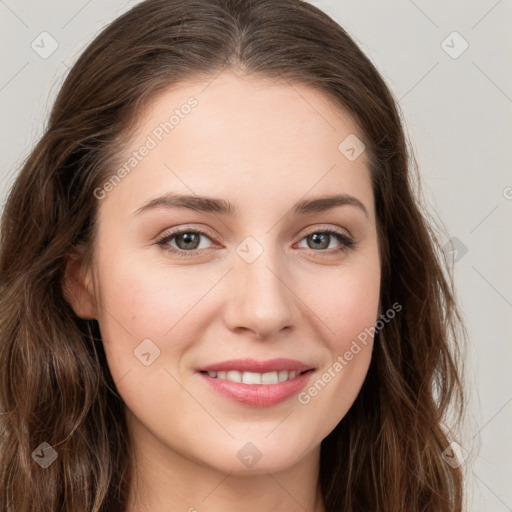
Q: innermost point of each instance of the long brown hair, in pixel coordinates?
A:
(55, 385)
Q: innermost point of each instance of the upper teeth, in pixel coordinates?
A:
(254, 378)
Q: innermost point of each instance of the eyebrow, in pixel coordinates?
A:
(222, 206)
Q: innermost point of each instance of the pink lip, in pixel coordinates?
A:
(257, 395)
(253, 365)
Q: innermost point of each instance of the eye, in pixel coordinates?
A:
(320, 239)
(188, 242)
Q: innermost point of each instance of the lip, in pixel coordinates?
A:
(254, 365)
(258, 395)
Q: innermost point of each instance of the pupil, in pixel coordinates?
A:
(316, 237)
(188, 238)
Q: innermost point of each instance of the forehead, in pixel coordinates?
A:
(251, 137)
(233, 103)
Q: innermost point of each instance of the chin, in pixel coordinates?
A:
(258, 457)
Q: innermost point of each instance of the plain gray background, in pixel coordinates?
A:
(457, 110)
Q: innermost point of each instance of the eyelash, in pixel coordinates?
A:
(347, 242)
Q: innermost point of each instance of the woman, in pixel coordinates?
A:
(173, 337)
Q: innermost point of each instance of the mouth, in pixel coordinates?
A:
(257, 383)
(254, 378)
(256, 389)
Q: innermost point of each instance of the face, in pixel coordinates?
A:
(182, 285)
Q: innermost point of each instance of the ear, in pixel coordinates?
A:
(77, 286)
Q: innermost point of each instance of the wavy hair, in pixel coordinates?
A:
(55, 384)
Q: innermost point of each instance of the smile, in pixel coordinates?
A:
(255, 378)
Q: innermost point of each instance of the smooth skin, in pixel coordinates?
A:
(262, 145)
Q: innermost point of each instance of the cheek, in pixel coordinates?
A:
(349, 309)
(356, 308)
(139, 304)
(345, 299)
(149, 301)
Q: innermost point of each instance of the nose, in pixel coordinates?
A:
(261, 297)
